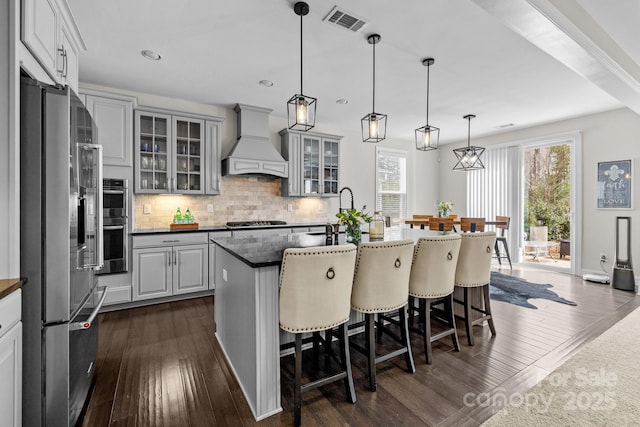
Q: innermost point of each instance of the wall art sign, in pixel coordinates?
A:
(614, 184)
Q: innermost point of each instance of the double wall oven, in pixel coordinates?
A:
(114, 214)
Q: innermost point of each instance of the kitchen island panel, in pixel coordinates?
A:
(247, 329)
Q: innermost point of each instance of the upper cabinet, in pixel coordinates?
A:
(313, 163)
(52, 37)
(113, 115)
(176, 153)
(212, 156)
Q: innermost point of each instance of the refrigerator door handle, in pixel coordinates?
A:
(96, 262)
(87, 323)
(113, 227)
(100, 234)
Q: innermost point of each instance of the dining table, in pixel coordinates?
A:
(424, 222)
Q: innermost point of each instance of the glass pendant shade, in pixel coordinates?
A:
(469, 156)
(374, 125)
(427, 136)
(301, 109)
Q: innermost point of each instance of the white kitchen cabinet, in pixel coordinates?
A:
(11, 360)
(175, 154)
(152, 148)
(68, 58)
(212, 147)
(314, 161)
(212, 255)
(51, 35)
(190, 269)
(169, 264)
(113, 115)
(152, 273)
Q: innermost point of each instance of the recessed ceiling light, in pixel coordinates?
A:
(342, 101)
(149, 54)
(265, 83)
(506, 125)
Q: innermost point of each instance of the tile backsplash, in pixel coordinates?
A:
(241, 198)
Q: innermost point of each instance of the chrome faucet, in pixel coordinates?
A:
(350, 192)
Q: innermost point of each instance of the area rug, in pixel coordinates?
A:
(515, 290)
(597, 387)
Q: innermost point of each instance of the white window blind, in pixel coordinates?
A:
(494, 190)
(391, 182)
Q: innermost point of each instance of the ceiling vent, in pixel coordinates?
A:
(344, 19)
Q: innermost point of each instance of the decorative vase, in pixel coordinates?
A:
(353, 234)
(443, 213)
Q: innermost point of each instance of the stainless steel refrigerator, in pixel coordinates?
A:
(61, 247)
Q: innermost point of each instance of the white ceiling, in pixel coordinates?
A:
(520, 62)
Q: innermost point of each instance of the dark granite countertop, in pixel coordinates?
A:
(262, 251)
(266, 250)
(207, 228)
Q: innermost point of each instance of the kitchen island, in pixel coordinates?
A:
(247, 308)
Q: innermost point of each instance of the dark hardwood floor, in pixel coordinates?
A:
(160, 365)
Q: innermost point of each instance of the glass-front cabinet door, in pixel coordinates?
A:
(153, 149)
(310, 165)
(189, 144)
(169, 153)
(330, 162)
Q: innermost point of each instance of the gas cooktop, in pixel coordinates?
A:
(254, 223)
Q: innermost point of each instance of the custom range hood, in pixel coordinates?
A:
(253, 153)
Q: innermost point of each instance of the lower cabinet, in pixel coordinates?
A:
(166, 265)
(11, 360)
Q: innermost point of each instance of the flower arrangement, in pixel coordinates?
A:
(352, 219)
(444, 208)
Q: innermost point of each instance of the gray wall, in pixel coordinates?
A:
(611, 135)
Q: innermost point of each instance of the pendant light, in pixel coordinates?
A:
(469, 156)
(301, 109)
(374, 125)
(427, 136)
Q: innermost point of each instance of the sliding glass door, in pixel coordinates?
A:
(535, 183)
(550, 194)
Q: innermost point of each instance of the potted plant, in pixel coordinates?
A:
(352, 220)
(444, 208)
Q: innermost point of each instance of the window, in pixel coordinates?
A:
(391, 182)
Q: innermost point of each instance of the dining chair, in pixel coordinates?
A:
(426, 219)
(432, 281)
(502, 239)
(315, 295)
(474, 271)
(472, 224)
(441, 224)
(381, 285)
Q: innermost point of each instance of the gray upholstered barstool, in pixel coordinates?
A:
(432, 280)
(381, 285)
(315, 295)
(474, 271)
